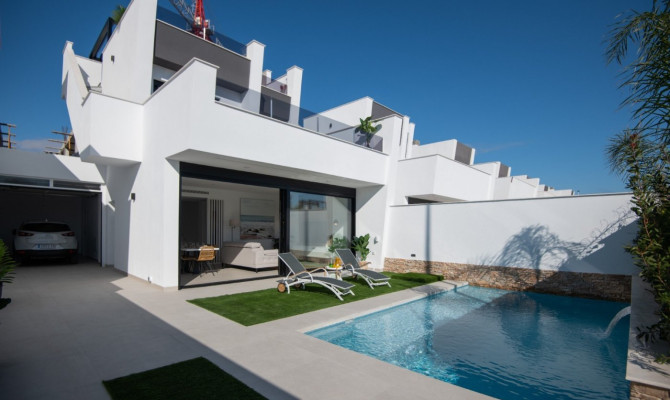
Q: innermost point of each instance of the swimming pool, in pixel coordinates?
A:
(509, 345)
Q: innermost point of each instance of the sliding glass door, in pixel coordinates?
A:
(316, 223)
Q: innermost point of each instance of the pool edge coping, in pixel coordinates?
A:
(640, 366)
(408, 296)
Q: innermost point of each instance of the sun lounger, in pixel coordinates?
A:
(298, 275)
(351, 265)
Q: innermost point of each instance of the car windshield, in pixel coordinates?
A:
(45, 227)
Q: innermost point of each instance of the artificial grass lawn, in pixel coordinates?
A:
(193, 379)
(268, 305)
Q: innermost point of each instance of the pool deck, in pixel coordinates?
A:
(69, 327)
(641, 367)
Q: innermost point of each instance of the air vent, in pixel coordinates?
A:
(17, 180)
(194, 191)
(76, 185)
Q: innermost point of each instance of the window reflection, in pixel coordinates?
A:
(316, 223)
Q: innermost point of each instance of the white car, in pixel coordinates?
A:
(45, 239)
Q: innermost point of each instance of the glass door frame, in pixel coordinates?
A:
(285, 186)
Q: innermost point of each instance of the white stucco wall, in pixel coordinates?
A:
(579, 234)
(91, 70)
(446, 148)
(441, 176)
(128, 76)
(335, 119)
(514, 187)
(372, 202)
(111, 130)
(182, 115)
(48, 166)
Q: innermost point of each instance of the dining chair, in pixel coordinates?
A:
(206, 256)
(189, 258)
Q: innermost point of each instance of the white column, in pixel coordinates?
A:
(267, 77)
(294, 89)
(255, 53)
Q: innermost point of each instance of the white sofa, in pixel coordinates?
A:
(249, 255)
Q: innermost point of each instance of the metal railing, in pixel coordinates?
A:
(274, 102)
(279, 109)
(178, 21)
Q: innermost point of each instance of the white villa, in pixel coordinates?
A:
(183, 141)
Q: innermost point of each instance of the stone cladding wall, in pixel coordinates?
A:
(579, 284)
(639, 391)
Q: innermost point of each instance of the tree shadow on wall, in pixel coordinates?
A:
(537, 248)
(532, 247)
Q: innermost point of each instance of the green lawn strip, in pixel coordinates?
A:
(268, 305)
(192, 379)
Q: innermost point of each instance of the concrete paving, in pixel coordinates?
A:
(69, 327)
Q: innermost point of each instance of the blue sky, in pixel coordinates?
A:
(524, 82)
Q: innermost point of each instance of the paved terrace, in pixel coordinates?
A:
(69, 327)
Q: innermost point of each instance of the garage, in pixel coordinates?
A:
(39, 187)
(79, 209)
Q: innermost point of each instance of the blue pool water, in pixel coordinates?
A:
(509, 345)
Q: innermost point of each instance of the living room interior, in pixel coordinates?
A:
(243, 224)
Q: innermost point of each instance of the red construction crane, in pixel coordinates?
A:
(195, 16)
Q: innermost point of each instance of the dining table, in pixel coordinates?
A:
(192, 252)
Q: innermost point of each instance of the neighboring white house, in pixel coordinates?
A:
(196, 142)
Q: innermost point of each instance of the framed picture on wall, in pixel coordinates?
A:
(257, 219)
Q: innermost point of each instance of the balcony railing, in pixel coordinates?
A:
(276, 105)
(272, 101)
(177, 20)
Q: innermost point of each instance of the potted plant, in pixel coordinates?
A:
(337, 243)
(360, 245)
(7, 265)
(368, 129)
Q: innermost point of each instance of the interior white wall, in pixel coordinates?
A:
(579, 234)
(231, 205)
(128, 76)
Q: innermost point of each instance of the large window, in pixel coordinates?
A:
(316, 222)
(310, 216)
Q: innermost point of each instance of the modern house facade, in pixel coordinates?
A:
(195, 142)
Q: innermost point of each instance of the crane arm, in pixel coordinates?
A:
(184, 10)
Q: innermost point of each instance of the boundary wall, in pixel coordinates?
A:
(565, 245)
